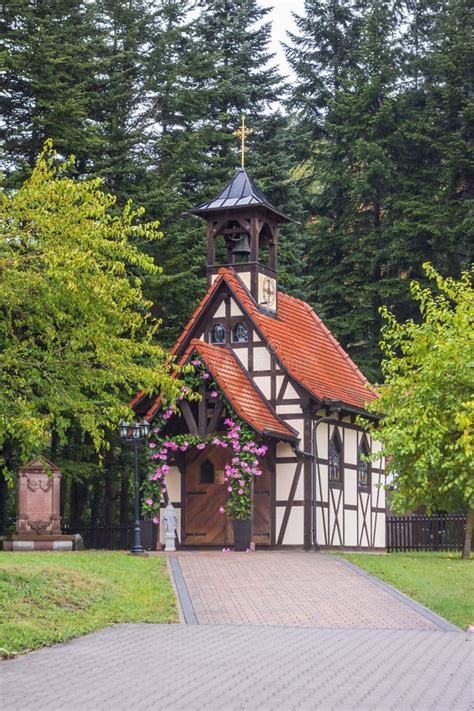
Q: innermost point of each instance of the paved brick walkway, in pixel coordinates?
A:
(302, 631)
(227, 668)
(291, 588)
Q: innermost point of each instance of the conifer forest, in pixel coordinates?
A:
(366, 141)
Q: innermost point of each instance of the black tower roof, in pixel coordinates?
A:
(240, 193)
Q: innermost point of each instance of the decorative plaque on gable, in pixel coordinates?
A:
(267, 292)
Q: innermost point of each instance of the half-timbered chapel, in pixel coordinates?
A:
(287, 377)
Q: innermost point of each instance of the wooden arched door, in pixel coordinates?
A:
(206, 492)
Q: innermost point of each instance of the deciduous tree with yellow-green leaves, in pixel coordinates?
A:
(76, 335)
(427, 400)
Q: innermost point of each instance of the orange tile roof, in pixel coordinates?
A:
(242, 394)
(303, 344)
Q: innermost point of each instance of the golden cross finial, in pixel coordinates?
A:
(242, 133)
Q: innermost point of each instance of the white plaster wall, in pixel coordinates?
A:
(298, 425)
(350, 531)
(264, 383)
(285, 472)
(323, 490)
(173, 480)
(350, 487)
(279, 381)
(235, 309)
(294, 534)
(288, 409)
(350, 446)
(245, 277)
(322, 440)
(243, 355)
(284, 450)
(378, 492)
(261, 359)
(321, 526)
(290, 393)
(220, 311)
(334, 530)
(366, 533)
(378, 525)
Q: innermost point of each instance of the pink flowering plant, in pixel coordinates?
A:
(244, 451)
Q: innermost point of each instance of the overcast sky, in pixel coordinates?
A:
(282, 21)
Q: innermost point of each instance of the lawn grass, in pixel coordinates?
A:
(441, 581)
(50, 597)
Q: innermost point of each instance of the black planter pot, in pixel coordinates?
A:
(242, 533)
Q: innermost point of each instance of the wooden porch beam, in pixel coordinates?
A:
(189, 417)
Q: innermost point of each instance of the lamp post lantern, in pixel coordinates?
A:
(135, 433)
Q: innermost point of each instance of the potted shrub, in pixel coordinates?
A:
(240, 512)
(239, 474)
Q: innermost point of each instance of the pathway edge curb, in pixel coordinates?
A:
(184, 598)
(436, 619)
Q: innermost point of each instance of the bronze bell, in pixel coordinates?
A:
(242, 245)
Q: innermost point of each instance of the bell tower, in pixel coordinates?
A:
(242, 233)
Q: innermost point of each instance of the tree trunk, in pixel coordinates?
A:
(468, 535)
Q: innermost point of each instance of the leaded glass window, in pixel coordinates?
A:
(335, 460)
(363, 466)
(240, 333)
(218, 333)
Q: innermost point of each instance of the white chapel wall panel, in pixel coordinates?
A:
(235, 309)
(285, 472)
(294, 534)
(261, 359)
(350, 527)
(264, 383)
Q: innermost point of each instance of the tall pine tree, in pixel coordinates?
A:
(48, 59)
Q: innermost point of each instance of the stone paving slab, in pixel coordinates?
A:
(294, 588)
(230, 668)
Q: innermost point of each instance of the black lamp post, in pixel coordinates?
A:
(135, 434)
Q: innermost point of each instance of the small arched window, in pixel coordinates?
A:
(240, 333)
(206, 473)
(363, 466)
(335, 459)
(218, 333)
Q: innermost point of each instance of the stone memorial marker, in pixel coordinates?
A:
(38, 518)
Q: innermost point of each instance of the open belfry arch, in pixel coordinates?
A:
(286, 376)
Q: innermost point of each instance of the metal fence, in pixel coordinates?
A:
(441, 532)
(115, 538)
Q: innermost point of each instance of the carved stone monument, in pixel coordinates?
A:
(169, 519)
(38, 522)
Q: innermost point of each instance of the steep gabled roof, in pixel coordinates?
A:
(239, 390)
(237, 387)
(303, 344)
(241, 192)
